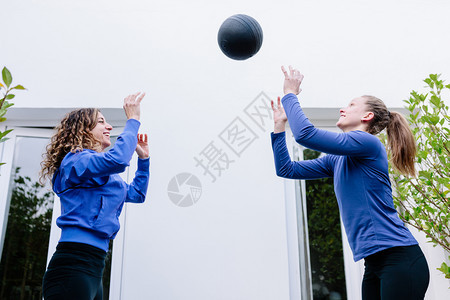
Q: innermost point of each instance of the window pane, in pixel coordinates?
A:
(325, 240)
(25, 247)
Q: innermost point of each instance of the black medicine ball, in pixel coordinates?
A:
(240, 37)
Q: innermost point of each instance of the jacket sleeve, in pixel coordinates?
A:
(307, 169)
(137, 190)
(89, 164)
(354, 143)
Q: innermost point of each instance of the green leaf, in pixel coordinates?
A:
(10, 96)
(2, 134)
(3, 140)
(435, 101)
(19, 87)
(422, 154)
(6, 104)
(7, 78)
(430, 209)
(434, 119)
(445, 269)
(425, 174)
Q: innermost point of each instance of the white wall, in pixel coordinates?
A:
(232, 243)
(84, 51)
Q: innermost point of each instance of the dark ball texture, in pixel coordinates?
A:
(240, 37)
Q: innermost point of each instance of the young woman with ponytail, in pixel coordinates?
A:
(395, 267)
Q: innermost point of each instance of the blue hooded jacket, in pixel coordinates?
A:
(92, 193)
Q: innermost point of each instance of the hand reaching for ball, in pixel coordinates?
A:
(142, 146)
(132, 105)
(279, 117)
(292, 81)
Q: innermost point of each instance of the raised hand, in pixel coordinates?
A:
(292, 81)
(279, 117)
(142, 146)
(132, 105)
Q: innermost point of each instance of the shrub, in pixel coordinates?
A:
(423, 201)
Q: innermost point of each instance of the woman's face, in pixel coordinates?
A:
(102, 131)
(354, 116)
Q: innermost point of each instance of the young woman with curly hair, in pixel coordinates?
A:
(395, 267)
(92, 194)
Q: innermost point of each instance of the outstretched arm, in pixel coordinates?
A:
(86, 164)
(356, 143)
(284, 166)
(137, 190)
(306, 169)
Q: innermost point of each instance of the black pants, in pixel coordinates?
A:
(74, 273)
(395, 274)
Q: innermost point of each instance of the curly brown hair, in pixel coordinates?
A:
(73, 134)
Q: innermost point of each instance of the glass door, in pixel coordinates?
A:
(324, 258)
(28, 213)
(325, 238)
(26, 210)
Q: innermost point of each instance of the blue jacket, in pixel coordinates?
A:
(358, 164)
(92, 193)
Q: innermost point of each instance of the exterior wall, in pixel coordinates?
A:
(232, 243)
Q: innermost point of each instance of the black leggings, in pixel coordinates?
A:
(396, 273)
(74, 273)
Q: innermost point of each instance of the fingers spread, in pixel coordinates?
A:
(132, 98)
(139, 99)
(284, 71)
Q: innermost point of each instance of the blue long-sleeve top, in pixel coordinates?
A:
(357, 162)
(92, 193)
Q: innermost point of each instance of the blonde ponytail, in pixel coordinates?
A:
(402, 145)
(401, 142)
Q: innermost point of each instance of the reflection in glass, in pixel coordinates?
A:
(25, 246)
(325, 240)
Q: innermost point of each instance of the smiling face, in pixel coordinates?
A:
(355, 116)
(102, 131)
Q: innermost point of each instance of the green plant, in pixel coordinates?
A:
(25, 247)
(423, 201)
(6, 89)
